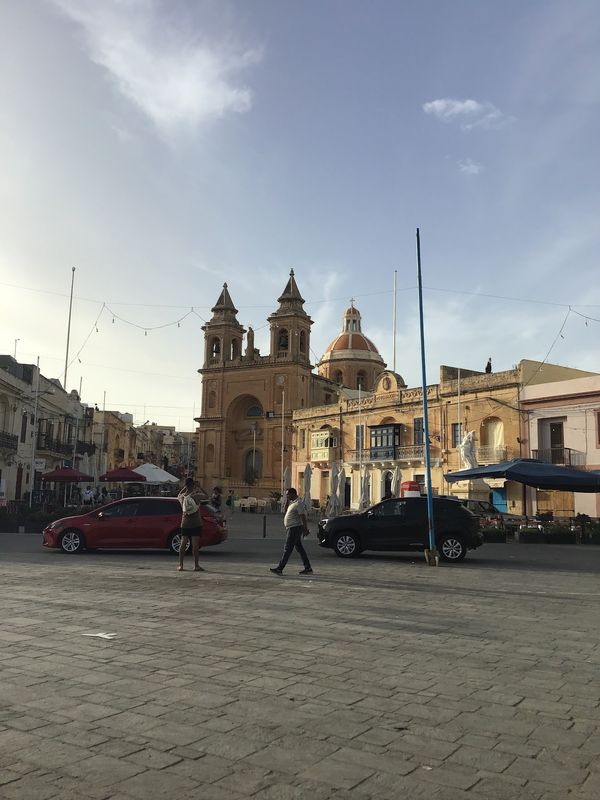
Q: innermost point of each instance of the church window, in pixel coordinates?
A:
(303, 341)
(210, 453)
(283, 340)
(360, 380)
(338, 377)
(235, 349)
(212, 399)
(215, 346)
(254, 411)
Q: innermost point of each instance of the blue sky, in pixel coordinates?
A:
(162, 148)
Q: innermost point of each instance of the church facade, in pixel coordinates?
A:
(245, 426)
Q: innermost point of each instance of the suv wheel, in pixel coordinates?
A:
(347, 545)
(175, 542)
(452, 548)
(72, 541)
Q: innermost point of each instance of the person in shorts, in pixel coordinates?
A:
(191, 524)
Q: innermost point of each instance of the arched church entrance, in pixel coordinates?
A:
(245, 440)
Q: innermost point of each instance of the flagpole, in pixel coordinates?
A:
(394, 321)
(431, 555)
(69, 328)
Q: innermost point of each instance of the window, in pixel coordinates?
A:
(418, 431)
(283, 340)
(235, 349)
(457, 436)
(360, 437)
(303, 341)
(338, 377)
(158, 508)
(302, 439)
(360, 379)
(121, 510)
(215, 347)
(24, 427)
(254, 411)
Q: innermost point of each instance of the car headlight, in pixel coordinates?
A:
(58, 523)
(324, 522)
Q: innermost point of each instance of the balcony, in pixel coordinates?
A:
(488, 454)
(85, 448)
(9, 442)
(564, 456)
(46, 444)
(323, 455)
(390, 453)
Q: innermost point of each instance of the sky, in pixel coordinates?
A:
(164, 147)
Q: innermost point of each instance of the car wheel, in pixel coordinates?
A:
(72, 541)
(347, 545)
(175, 543)
(452, 548)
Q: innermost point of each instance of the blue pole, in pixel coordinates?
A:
(432, 547)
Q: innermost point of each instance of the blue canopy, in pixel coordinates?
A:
(534, 473)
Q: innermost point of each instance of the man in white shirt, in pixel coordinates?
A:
(294, 521)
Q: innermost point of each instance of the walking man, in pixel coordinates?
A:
(294, 521)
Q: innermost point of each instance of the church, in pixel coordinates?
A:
(245, 431)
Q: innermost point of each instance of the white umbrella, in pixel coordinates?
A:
(306, 488)
(364, 490)
(396, 480)
(332, 508)
(341, 493)
(154, 474)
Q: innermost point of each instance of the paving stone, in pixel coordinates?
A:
(102, 770)
(153, 759)
(158, 785)
(547, 772)
(28, 788)
(338, 774)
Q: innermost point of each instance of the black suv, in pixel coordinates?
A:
(401, 524)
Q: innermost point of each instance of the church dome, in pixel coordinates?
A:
(352, 359)
(351, 338)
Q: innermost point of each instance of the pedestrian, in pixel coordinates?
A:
(88, 496)
(215, 499)
(230, 502)
(191, 524)
(104, 495)
(294, 520)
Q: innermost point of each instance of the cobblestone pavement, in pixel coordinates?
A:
(376, 678)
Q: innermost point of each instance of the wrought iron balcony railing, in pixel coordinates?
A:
(391, 453)
(564, 456)
(46, 444)
(488, 454)
(9, 441)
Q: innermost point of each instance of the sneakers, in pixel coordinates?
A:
(306, 571)
(276, 570)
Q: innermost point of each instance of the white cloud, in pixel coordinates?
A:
(469, 167)
(177, 79)
(469, 114)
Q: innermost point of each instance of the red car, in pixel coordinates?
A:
(130, 523)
